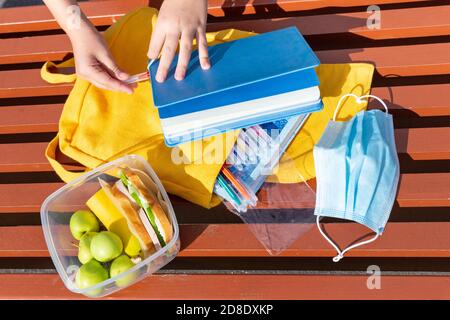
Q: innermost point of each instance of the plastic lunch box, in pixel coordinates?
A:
(55, 216)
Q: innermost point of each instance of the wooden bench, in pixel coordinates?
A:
(220, 257)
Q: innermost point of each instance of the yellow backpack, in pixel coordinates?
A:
(97, 126)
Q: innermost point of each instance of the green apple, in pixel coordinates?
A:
(122, 264)
(81, 222)
(90, 274)
(84, 247)
(106, 246)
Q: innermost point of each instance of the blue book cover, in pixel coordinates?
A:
(244, 69)
(291, 82)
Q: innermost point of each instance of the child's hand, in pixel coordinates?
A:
(94, 63)
(181, 20)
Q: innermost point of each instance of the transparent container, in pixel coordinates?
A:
(55, 216)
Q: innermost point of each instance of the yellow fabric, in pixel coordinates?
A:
(97, 126)
(335, 80)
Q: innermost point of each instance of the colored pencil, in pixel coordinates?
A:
(236, 183)
(228, 190)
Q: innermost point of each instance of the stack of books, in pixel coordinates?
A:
(255, 80)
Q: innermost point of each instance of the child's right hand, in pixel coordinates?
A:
(181, 20)
(93, 61)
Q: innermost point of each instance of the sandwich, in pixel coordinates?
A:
(136, 197)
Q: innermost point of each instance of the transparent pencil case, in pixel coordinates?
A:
(59, 206)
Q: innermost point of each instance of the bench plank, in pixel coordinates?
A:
(412, 60)
(395, 24)
(190, 286)
(25, 197)
(420, 100)
(399, 23)
(418, 143)
(28, 83)
(17, 158)
(237, 240)
(30, 118)
(236, 8)
(424, 143)
(38, 18)
(415, 190)
(34, 49)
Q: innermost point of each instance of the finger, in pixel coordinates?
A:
(167, 55)
(109, 88)
(203, 49)
(102, 77)
(185, 54)
(112, 67)
(99, 85)
(156, 44)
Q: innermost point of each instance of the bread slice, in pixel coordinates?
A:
(130, 212)
(144, 184)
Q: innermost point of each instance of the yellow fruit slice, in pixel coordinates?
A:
(114, 221)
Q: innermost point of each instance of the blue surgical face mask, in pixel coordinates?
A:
(357, 170)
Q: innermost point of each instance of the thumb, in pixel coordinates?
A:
(113, 68)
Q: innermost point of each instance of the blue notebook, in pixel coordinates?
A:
(290, 82)
(252, 80)
(262, 58)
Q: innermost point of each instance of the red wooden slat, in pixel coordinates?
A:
(26, 83)
(25, 197)
(34, 49)
(38, 18)
(396, 23)
(422, 100)
(30, 119)
(415, 190)
(254, 287)
(427, 59)
(237, 8)
(27, 157)
(411, 60)
(17, 154)
(424, 143)
(418, 143)
(238, 240)
(399, 23)
(423, 189)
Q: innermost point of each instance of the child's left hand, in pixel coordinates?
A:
(181, 20)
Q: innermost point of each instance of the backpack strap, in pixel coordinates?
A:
(63, 173)
(59, 73)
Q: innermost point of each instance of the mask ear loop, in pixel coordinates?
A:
(338, 107)
(358, 100)
(340, 254)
